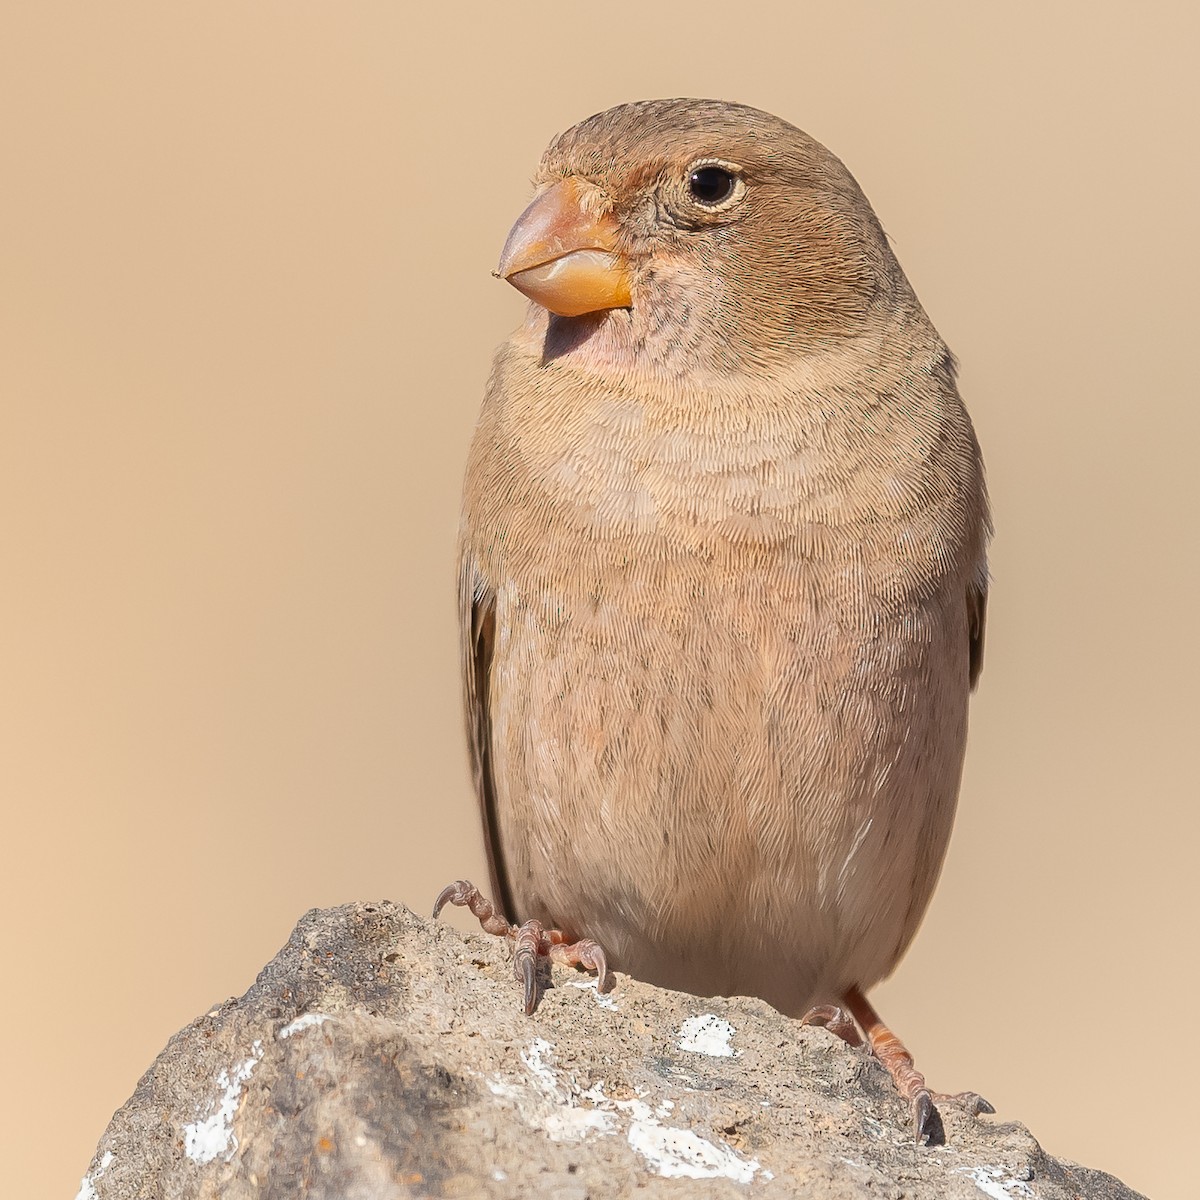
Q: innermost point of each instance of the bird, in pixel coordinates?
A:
(723, 577)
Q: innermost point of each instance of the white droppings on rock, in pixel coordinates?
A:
(682, 1154)
(991, 1182)
(707, 1034)
(555, 1103)
(304, 1021)
(671, 1152)
(87, 1185)
(572, 1122)
(636, 1108)
(534, 1059)
(207, 1139)
(604, 999)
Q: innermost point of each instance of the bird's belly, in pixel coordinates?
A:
(734, 789)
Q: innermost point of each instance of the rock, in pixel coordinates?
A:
(381, 1056)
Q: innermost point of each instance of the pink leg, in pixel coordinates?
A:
(530, 940)
(910, 1083)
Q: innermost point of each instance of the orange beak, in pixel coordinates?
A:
(562, 257)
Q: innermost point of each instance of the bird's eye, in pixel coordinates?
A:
(712, 185)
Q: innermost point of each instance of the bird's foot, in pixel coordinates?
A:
(836, 1020)
(532, 942)
(910, 1083)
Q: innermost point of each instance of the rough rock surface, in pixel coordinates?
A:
(379, 1055)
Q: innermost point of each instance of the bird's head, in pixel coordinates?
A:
(697, 233)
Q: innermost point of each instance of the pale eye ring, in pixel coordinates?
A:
(714, 185)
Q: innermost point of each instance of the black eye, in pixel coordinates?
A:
(711, 185)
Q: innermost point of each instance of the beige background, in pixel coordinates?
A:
(245, 320)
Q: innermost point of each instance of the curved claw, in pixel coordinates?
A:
(452, 891)
(529, 946)
(600, 965)
(922, 1106)
(527, 972)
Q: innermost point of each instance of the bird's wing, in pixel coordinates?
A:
(477, 610)
(977, 595)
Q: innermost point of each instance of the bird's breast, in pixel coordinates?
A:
(625, 475)
(878, 496)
